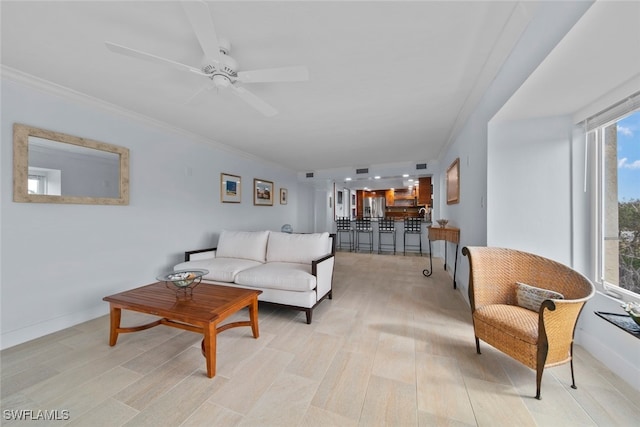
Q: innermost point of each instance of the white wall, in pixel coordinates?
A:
(529, 186)
(59, 261)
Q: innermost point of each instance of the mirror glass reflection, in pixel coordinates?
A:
(71, 170)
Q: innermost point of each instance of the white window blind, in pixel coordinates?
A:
(613, 113)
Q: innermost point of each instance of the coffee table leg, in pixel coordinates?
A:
(209, 347)
(253, 316)
(115, 324)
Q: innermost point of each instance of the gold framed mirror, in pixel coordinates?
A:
(453, 182)
(53, 167)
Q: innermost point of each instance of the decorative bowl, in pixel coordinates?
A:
(183, 278)
(633, 309)
(287, 228)
(442, 222)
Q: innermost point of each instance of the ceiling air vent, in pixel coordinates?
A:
(421, 166)
(309, 174)
(363, 170)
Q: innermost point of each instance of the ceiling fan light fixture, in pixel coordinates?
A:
(220, 80)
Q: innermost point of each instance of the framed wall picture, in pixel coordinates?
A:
(284, 196)
(230, 188)
(262, 192)
(453, 182)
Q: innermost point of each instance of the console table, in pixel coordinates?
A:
(448, 234)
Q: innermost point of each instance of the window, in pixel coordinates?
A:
(618, 147)
(37, 184)
(44, 181)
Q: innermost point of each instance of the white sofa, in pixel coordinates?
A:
(291, 270)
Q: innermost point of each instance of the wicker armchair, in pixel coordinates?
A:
(536, 339)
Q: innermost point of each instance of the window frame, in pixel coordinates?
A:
(595, 138)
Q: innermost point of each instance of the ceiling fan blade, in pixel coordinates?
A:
(205, 88)
(284, 74)
(254, 101)
(199, 15)
(151, 58)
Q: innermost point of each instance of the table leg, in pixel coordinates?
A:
(116, 314)
(445, 255)
(429, 271)
(209, 348)
(253, 316)
(455, 267)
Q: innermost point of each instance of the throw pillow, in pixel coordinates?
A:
(531, 297)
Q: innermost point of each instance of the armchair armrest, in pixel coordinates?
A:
(200, 254)
(556, 325)
(322, 269)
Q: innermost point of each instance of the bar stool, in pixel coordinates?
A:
(363, 225)
(343, 225)
(386, 226)
(413, 226)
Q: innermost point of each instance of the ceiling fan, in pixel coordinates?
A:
(220, 68)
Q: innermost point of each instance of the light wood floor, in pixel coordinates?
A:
(393, 348)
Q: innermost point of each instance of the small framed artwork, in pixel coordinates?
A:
(230, 188)
(284, 196)
(262, 192)
(453, 182)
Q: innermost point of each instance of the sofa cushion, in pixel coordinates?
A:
(297, 248)
(518, 322)
(531, 298)
(250, 245)
(220, 269)
(278, 275)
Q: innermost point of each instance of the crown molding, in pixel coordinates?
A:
(64, 92)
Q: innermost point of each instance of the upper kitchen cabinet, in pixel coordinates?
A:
(424, 192)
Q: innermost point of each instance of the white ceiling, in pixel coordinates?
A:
(600, 54)
(389, 81)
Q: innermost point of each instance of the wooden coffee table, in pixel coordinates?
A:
(200, 310)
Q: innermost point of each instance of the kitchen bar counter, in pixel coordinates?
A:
(424, 221)
(399, 222)
(401, 212)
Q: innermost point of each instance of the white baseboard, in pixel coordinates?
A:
(618, 365)
(28, 333)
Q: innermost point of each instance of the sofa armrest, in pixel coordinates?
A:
(332, 236)
(200, 254)
(322, 268)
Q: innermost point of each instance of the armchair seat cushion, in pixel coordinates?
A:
(512, 320)
(287, 276)
(220, 269)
